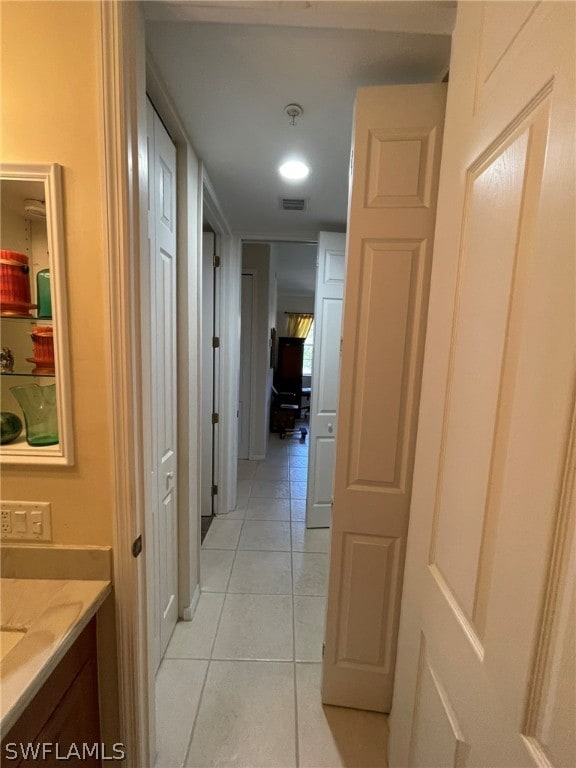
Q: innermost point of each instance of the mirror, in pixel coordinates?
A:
(36, 425)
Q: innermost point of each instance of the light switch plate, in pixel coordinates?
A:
(26, 521)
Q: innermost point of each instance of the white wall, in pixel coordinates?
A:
(256, 257)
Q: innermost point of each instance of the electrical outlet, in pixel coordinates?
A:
(26, 520)
(6, 521)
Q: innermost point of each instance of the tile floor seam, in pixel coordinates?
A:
(264, 594)
(187, 754)
(246, 660)
(296, 732)
(189, 747)
(226, 593)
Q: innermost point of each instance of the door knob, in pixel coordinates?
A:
(169, 475)
(330, 428)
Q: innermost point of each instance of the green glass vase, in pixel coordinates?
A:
(43, 293)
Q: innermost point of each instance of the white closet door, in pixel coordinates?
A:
(330, 270)
(163, 401)
(397, 145)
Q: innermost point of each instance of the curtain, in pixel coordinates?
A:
(299, 324)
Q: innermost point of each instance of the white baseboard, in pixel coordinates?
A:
(188, 612)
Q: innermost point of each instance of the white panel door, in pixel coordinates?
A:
(162, 208)
(397, 146)
(330, 270)
(485, 673)
(245, 389)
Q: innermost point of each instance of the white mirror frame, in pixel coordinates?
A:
(62, 453)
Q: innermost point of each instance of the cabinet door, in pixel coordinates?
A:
(64, 712)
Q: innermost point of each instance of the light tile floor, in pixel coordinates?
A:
(240, 683)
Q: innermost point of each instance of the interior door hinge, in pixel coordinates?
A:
(215, 418)
(215, 342)
(216, 261)
(137, 546)
(323, 649)
(214, 490)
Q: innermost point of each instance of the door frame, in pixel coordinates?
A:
(254, 275)
(124, 129)
(229, 369)
(245, 238)
(127, 74)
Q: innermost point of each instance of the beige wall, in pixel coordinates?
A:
(51, 111)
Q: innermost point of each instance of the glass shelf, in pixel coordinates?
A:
(27, 318)
(33, 375)
(20, 446)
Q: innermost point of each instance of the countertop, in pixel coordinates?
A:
(52, 613)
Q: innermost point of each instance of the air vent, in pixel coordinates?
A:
(293, 203)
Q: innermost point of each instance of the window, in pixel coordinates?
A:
(308, 350)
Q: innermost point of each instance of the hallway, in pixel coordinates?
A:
(240, 683)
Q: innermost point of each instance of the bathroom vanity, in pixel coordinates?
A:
(48, 669)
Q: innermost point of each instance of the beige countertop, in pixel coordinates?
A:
(39, 621)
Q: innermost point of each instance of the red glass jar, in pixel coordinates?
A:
(14, 284)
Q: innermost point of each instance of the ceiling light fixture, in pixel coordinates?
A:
(293, 111)
(294, 170)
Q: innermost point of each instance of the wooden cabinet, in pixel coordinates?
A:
(287, 397)
(288, 373)
(64, 713)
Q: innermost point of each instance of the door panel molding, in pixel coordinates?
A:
(401, 169)
(435, 725)
(365, 639)
(393, 274)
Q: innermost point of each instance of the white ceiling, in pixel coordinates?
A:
(295, 268)
(231, 81)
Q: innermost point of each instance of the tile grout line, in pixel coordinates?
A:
(188, 748)
(296, 724)
(210, 659)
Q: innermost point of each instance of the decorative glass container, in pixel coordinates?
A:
(44, 297)
(40, 413)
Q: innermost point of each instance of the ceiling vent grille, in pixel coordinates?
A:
(293, 203)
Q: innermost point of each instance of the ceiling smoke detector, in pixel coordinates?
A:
(294, 111)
